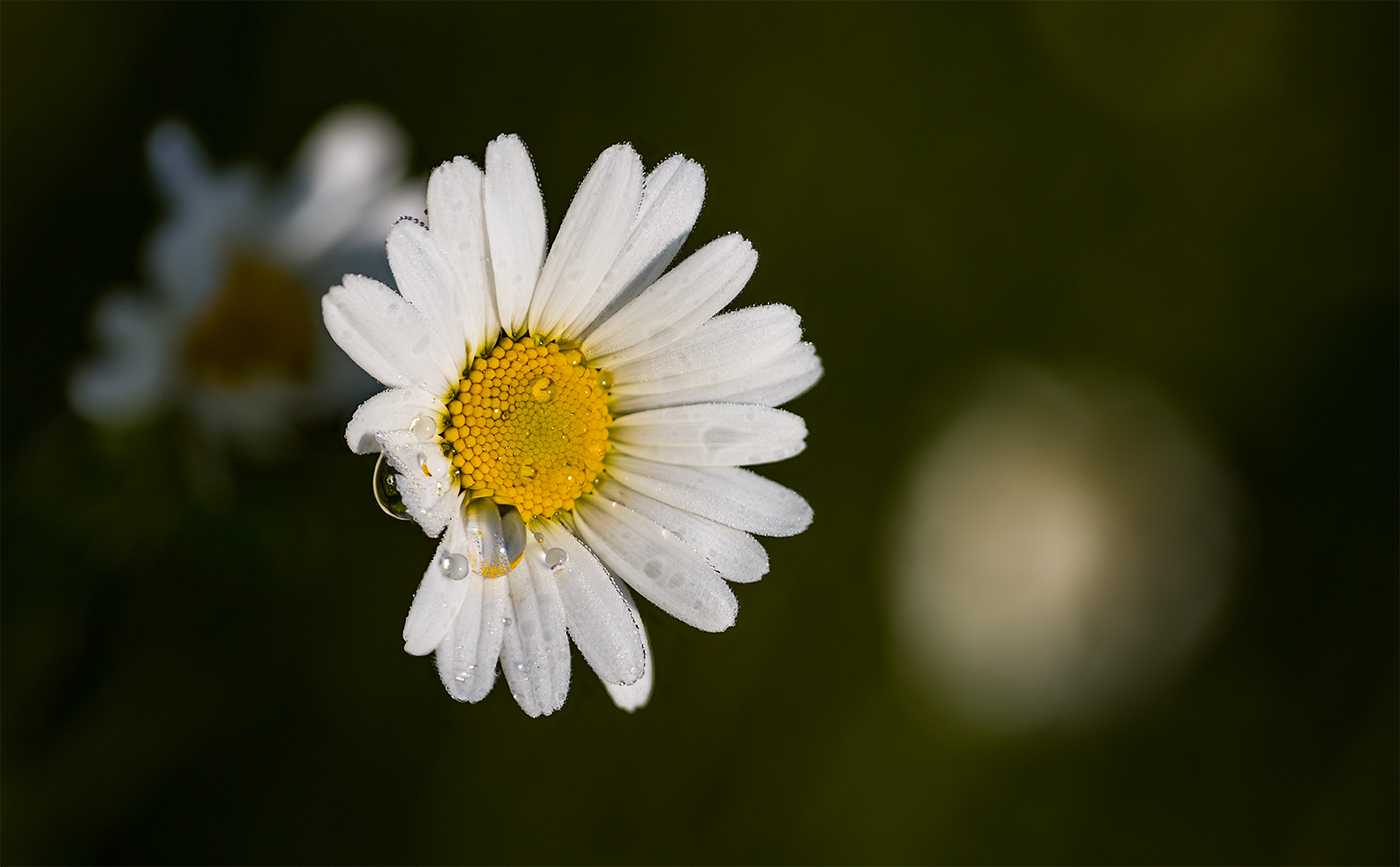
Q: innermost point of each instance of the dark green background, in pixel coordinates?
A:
(1202, 197)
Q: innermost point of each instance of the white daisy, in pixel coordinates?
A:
(575, 422)
(227, 331)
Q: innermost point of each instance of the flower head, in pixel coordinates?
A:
(572, 423)
(227, 332)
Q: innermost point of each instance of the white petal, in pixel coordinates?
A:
(796, 371)
(438, 599)
(391, 409)
(424, 478)
(629, 697)
(467, 656)
(732, 496)
(515, 227)
(457, 221)
(607, 632)
(726, 347)
(427, 280)
(675, 305)
(711, 434)
(657, 565)
(733, 553)
(535, 649)
(774, 382)
(593, 231)
(671, 198)
(388, 337)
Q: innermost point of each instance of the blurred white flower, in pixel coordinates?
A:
(1064, 546)
(226, 332)
(572, 424)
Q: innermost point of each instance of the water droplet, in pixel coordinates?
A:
(424, 427)
(542, 390)
(453, 566)
(515, 534)
(555, 558)
(507, 621)
(386, 490)
(605, 379)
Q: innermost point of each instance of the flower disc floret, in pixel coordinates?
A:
(528, 426)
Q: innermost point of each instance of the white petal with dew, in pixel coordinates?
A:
(675, 305)
(671, 198)
(657, 564)
(387, 336)
(796, 371)
(438, 599)
(727, 347)
(736, 555)
(607, 632)
(428, 281)
(467, 656)
(535, 650)
(457, 221)
(424, 479)
(391, 409)
(775, 382)
(593, 231)
(711, 434)
(632, 696)
(515, 228)
(732, 496)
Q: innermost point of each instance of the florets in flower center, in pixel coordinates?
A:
(528, 426)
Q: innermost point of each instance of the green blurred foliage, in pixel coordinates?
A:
(1200, 196)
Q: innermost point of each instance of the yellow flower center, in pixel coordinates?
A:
(528, 426)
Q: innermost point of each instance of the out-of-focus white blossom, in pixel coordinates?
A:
(226, 334)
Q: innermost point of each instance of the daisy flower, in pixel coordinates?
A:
(226, 334)
(573, 424)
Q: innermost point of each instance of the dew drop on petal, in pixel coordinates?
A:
(453, 566)
(555, 558)
(424, 427)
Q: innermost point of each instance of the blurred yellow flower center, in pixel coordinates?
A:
(261, 324)
(528, 426)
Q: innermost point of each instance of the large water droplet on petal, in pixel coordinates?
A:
(515, 535)
(386, 490)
